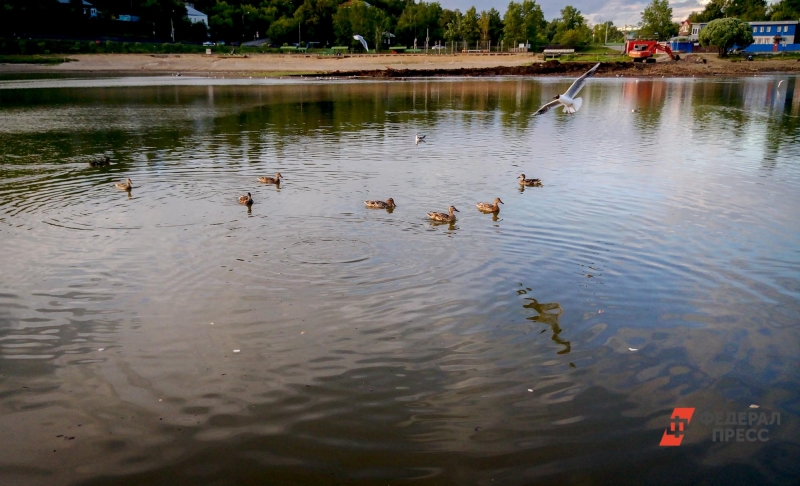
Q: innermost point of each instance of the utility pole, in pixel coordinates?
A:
(606, 42)
(298, 34)
(172, 26)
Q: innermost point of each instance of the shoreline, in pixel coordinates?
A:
(393, 66)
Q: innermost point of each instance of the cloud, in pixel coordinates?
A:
(621, 12)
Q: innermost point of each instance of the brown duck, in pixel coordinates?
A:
(389, 204)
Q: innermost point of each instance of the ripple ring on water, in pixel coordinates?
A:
(325, 251)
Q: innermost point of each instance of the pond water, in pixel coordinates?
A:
(169, 335)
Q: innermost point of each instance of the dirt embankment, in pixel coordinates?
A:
(698, 66)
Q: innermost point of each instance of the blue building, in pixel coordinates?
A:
(768, 36)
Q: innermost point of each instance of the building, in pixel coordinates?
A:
(195, 15)
(768, 36)
(685, 29)
(772, 32)
(88, 9)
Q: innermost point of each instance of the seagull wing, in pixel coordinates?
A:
(363, 42)
(545, 107)
(578, 84)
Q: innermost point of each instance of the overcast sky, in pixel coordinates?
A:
(621, 12)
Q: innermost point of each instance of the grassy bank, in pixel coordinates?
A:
(23, 59)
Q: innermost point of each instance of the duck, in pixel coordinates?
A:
(271, 180)
(124, 186)
(100, 162)
(489, 207)
(448, 218)
(529, 182)
(246, 200)
(389, 204)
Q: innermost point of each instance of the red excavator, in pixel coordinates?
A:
(644, 50)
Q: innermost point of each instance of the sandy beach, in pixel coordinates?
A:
(701, 65)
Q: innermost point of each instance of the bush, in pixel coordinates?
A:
(725, 34)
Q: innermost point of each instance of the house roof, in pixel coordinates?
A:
(773, 22)
(85, 3)
(193, 12)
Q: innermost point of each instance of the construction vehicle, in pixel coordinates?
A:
(644, 50)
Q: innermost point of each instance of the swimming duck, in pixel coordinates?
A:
(489, 207)
(271, 180)
(100, 162)
(448, 218)
(389, 204)
(124, 186)
(246, 200)
(529, 182)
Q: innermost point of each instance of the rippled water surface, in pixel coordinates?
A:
(170, 335)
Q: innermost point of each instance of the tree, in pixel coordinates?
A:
(571, 29)
(513, 25)
(469, 26)
(418, 19)
(747, 9)
(484, 25)
(533, 22)
(607, 30)
(715, 9)
(452, 29)
(725, 34)
(784, 10)
(657, 21)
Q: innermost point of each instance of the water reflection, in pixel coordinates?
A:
(360, 331)
(549, 315)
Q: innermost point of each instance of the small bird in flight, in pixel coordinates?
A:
(568, 100)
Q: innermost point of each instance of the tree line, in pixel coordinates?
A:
(748, 10)
(384, 23)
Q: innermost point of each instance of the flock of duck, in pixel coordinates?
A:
(448, 217)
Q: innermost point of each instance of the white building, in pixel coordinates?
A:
(767, 32)
(195, 15)
(88, 9)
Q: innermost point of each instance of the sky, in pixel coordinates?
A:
(621, 12)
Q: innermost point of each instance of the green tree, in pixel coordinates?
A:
(725, 34)
(747, 9)
(571, 29)
(513, 24)
(609, 30)
(452, 30)
(657, 21)
(316, 19)
(417, 20)
(715, 9)
(785, 10)
(495, 25)
(533, 22)
(469, 26)
(357, 17)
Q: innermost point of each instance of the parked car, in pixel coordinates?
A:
(236, 43)
(438, 47)
(220, 43)
(273, 46)
(208, 44)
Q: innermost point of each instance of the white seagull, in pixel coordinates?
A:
(363, 42)
(419, 138)
(568, 99)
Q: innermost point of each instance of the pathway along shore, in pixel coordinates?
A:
(397, 66)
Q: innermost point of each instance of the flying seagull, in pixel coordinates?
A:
(419, 138)
(363, 42)
(568, 99)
